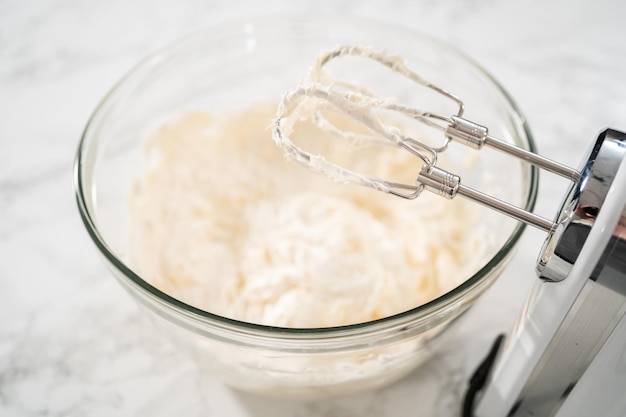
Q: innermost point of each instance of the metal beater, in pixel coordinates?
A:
(567, 354)
(354, 102)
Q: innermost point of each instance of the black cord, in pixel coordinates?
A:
(479, 378)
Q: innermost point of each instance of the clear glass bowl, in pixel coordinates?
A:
(249, 61)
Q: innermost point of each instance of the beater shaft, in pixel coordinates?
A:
(449, 185)
(533, 158)
(510, 210)
(476, 136)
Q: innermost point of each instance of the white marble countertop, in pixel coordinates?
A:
(72, 343)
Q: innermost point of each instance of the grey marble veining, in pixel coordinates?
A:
(72, 343)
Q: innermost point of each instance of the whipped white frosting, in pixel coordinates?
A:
(220, 220)
(320, 94)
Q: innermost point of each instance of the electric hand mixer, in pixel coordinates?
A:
(567, 354)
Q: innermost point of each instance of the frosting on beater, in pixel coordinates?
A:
(320, 93)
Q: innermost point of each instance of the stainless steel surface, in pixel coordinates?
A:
(589, 323)
(600, 391)
(503, 207)
(581, 206)
(601, 303)
(448, 185)
(439, 181)
(476, 136)
(533, 158)
(467, 132)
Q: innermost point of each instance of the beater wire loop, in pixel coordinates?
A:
(319, 95)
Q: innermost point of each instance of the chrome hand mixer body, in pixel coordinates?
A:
(567, 354)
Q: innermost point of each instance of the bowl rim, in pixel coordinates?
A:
(205, 317)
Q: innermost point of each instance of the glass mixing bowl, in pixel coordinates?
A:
(230, 66)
